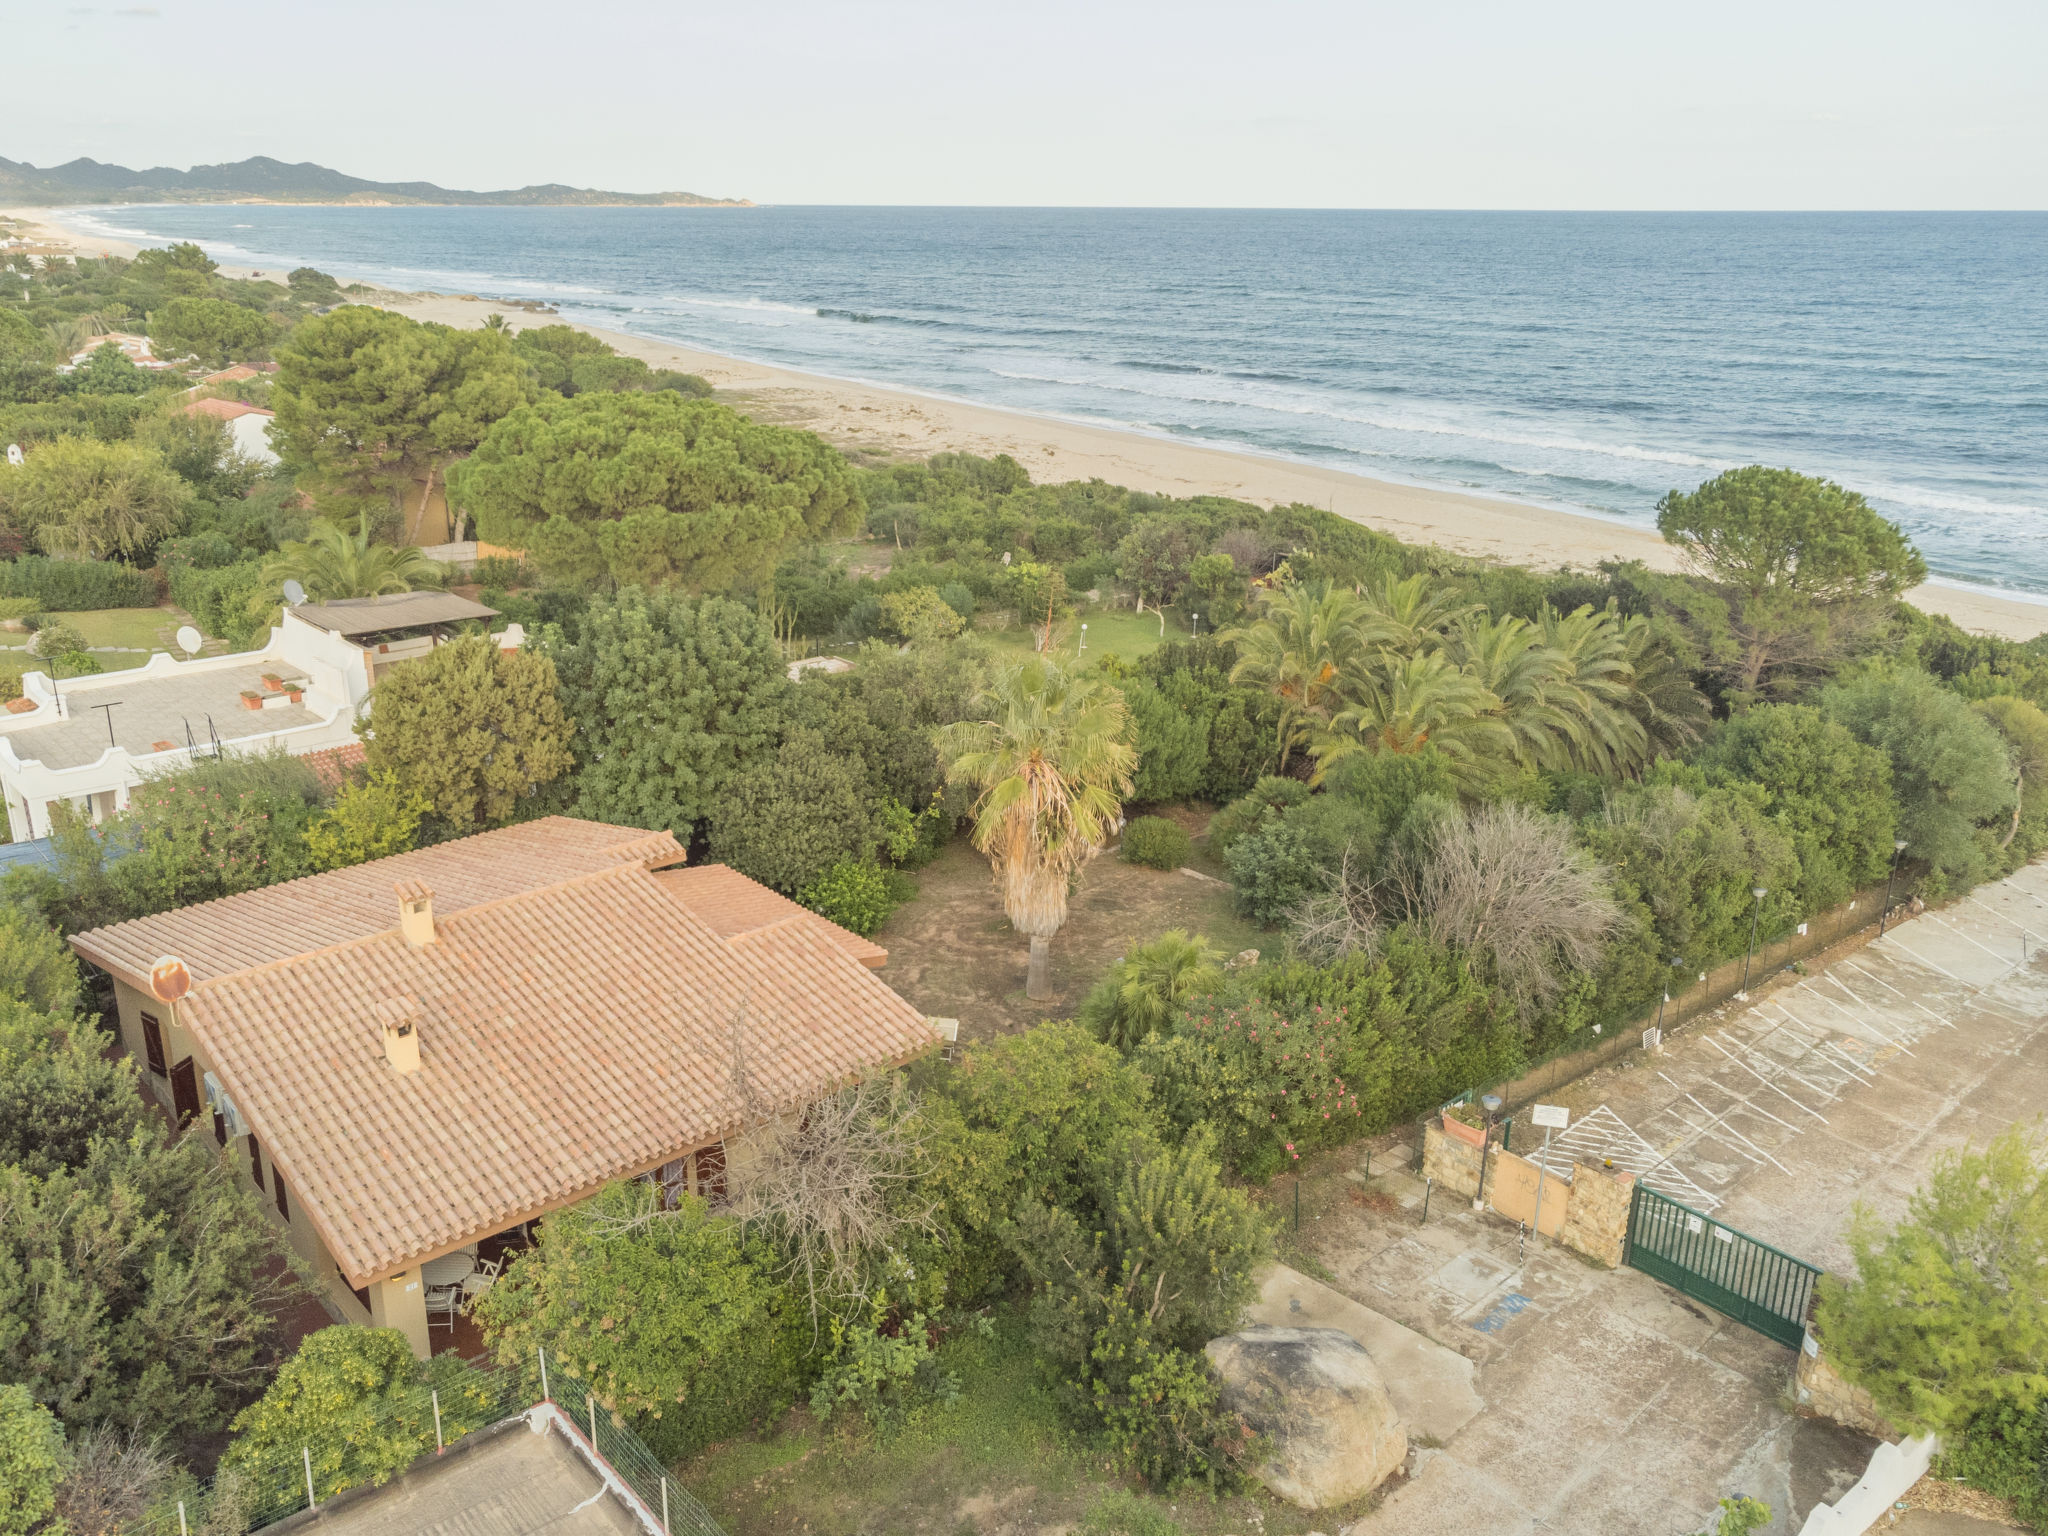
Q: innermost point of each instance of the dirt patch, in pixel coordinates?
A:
(953, 954)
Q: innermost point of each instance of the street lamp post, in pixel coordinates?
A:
(1491, 1103)
(1676, 962)
(1084, 641)
(1759, 893)
(1898, 847)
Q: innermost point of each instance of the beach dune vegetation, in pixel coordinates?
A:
(650, 489)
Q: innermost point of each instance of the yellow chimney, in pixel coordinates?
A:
(400, 1018)
(415, 913)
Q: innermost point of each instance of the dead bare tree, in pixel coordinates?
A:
(1506, 882)
(1341, 919)
(829, 1185)
(114, 1478)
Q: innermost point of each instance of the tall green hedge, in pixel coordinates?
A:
(73, 586)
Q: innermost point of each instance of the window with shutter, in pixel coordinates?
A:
(255, 1161)
(153, 1046)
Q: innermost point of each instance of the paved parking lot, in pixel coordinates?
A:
(1612, 1403)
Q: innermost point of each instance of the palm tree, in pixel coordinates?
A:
(1307, 637)
(1413, 615)
(331, 564)
(1052, 764)
(1141, 991)
(1406, 703)
(1593, 691)
(1674, 714)
(1508, 656)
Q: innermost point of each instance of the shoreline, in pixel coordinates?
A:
(885, 422)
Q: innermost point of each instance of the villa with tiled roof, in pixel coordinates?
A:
(429, 1050)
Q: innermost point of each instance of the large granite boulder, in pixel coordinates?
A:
(1317, 1397)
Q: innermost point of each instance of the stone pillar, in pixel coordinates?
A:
(1821, 1391)
(1596, 1220)
(401, 1303)
(1452, 1163)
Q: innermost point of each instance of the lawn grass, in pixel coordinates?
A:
(998, 1457)
(1111, 632)
(153, 629)
(121, 636)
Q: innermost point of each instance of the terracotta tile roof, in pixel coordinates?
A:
(335, 766)
(226, 410)
(731, 905)
(568, 1035)
(217, 938)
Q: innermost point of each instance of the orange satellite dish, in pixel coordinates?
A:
(169, 980)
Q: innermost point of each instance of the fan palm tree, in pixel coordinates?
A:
(1142, 990)
(1405, 703)
(331, 564)
(1307, 636)
(1052, 763)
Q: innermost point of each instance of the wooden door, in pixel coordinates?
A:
(185, 1092)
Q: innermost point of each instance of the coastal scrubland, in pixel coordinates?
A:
(1471, 814)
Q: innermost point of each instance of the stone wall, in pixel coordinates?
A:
(1826, 1394)
(1452, 1163)
(1589, 1214)
(1596, 1220)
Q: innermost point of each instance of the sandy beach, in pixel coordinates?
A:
(877, 422)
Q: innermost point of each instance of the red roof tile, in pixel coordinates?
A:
(570, 1032)
(731, 905)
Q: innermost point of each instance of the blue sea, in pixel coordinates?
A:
(1584, 361)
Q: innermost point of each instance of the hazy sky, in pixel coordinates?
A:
(1432, 103)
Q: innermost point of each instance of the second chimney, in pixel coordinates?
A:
(415, 913)
(400, 1017)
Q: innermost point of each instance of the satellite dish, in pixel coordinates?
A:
(189, 640)
(169, 980)
(294, 593)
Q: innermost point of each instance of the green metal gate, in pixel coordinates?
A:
(1729, 1270)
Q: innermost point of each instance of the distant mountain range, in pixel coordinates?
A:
(264, 180)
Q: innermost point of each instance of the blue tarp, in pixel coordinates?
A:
(37, 854)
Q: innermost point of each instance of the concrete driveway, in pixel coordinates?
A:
(1611, 1403)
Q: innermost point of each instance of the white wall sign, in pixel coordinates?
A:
(1555, 1116)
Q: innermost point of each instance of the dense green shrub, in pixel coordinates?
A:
(1041, 1116)
(77, 586)
(1269, 797)
(231, 601)
(677, 1318)
(33, 1459)
(1157, 843)
(356, 1407)
(2004, 1451)
(1951, 774)
(797, 815)
(1276, 868)
(1157, 1261)
(854, 893)
(1269, 1087)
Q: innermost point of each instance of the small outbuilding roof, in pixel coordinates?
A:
(396, 610)
(225, 410)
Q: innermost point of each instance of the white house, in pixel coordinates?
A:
(248, 424)
(90, 740)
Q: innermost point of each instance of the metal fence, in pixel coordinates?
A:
(240, 1499)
